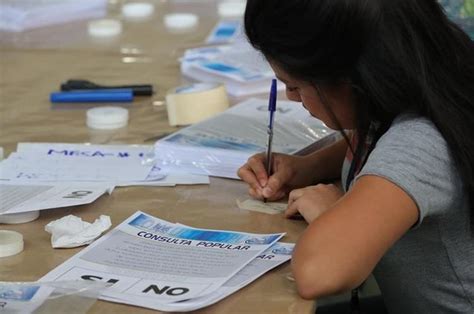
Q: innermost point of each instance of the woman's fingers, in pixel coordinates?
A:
(256, 163)
(292, 208)
(255, 175)
(277, 181)
(248, 177)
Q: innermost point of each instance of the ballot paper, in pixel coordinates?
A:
(19, 198)
(220, 145)
(120, 165)
(276, 255)
(242, 69)
(153, 262)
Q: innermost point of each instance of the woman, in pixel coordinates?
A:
(400, 76)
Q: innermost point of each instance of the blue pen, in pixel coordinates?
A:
(271, 109)
(96, 95)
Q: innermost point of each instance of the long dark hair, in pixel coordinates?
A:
(398, 55)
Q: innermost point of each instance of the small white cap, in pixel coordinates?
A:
(180, 20)
(137, 10)
(231, 8)
(107, 118)
(11, 243)
(105, 28)
(19, 218)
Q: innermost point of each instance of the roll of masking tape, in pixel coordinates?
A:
(137, 10)
(105, 28)
(11, 243)
(19, 218)
(180, 21)
(193, 103)
(107, 118)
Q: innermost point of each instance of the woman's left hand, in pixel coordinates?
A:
(312, 201)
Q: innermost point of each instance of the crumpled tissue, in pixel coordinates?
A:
(70, 231)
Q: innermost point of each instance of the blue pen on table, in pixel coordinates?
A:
(271, 109)
(96, 95)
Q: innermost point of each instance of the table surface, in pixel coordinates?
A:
(34, 63)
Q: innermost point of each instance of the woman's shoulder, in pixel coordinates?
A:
(417, 132)
(414, 155)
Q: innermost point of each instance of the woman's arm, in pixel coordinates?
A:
(340, 248)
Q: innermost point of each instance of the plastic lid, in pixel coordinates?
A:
(180, 20)
(107, 118)
(231, 8)
(137, 10)
(11, 243)
(105, 28)
(19, 218)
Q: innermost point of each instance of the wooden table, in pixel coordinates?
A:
(34, 63)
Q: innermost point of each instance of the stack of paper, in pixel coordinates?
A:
(52, 175)
(170, 267)
(114, 165)
(26, 197)
(220, 145)
(26, 14)
(239, 66)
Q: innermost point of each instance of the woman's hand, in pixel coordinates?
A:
(289, 172)
(310, 202)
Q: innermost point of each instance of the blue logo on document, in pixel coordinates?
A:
(262, 240)
(281, 250)
(17, 293)
(145, 222)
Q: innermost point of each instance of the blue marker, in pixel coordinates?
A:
(96, 95)
(271, 108)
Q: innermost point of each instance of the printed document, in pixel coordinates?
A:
(220, 145)
(276, 255)
(120, 165)
(18, 198)
(151, 261)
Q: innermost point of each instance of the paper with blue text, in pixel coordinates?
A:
(118, 165)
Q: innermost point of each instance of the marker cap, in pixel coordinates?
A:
(95, 95)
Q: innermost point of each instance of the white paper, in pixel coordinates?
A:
(70, 231)
(220, 145)
(118, 165)
(76, 162)
(19, 198)
(276, 255)
(151, 261)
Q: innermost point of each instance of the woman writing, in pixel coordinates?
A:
(396, 78)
